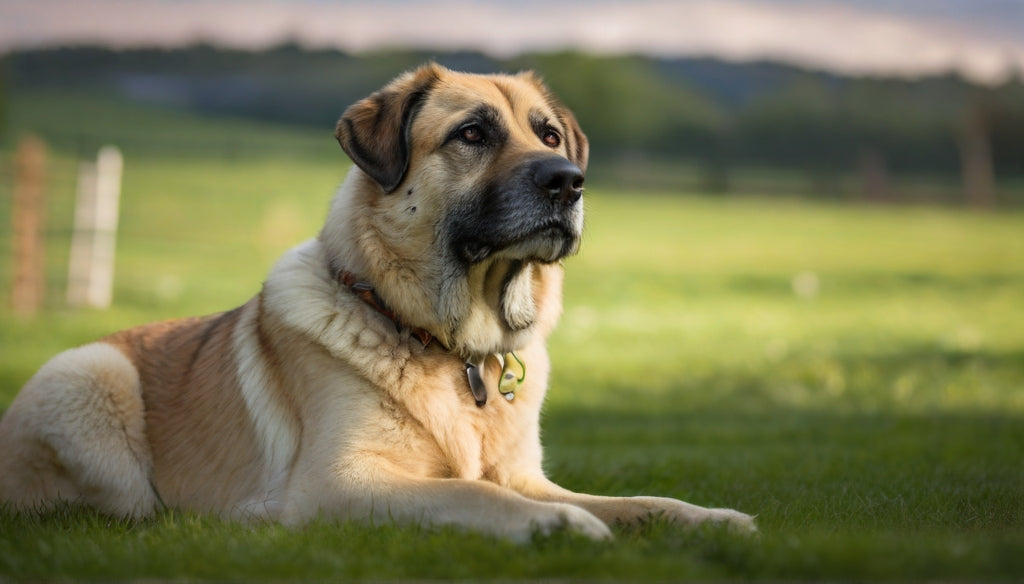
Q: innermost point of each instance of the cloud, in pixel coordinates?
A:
(851, 37)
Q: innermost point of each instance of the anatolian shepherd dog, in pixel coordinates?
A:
(392, 369)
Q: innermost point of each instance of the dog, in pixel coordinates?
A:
(392, 368)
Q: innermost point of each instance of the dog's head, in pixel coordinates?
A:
(468, 191)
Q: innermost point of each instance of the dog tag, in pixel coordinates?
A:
(476, 382)
(513, 373)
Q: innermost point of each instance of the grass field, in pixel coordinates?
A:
(853, 375)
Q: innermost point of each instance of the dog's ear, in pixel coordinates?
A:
(577, 146)
(374, 132)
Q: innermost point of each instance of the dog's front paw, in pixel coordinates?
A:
(572, 518)
(684, 513)
(736, 521)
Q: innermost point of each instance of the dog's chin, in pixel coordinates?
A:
(546, 245)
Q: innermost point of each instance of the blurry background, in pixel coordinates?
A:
(800, 288)
(744, 153)
(856, 99)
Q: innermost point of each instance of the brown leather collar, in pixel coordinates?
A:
(367, 294)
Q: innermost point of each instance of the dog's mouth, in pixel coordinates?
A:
(548, 242)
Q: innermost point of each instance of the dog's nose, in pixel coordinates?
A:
(558, 178)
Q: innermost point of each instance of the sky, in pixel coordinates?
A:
(983, 39)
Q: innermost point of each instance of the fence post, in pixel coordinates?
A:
(873, 176)
(976, 167)
(91, 268)
(28, 215)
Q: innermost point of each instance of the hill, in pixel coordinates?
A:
(713, 114)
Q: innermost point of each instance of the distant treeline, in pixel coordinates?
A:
(717, 114)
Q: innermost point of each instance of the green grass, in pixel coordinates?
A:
(876, 427)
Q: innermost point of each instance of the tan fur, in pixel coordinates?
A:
(307, 401)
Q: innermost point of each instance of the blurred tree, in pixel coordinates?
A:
(721, 115)
(3, 94)
(626, 107)
(798, 125)
(976, 153)
(874, 178)
(1006, 116)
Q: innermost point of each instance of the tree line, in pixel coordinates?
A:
(717, 113)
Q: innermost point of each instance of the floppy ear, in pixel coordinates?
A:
(374, 132)
(576, 142)
(578, 147)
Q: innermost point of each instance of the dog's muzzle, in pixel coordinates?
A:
(534, 212)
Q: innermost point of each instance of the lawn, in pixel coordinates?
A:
(854, 375)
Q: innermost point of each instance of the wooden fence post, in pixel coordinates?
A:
(976, 166)
(91, 268)
(28, 215)
(874, 179)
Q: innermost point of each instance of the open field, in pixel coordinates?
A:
(854, 375)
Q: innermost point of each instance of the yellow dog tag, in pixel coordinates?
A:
(513, 373)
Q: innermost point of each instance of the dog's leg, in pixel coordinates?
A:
(630, 510)
(473, 505)
(76, 432)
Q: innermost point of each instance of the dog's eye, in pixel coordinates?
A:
(551, 138)
(471, 134)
